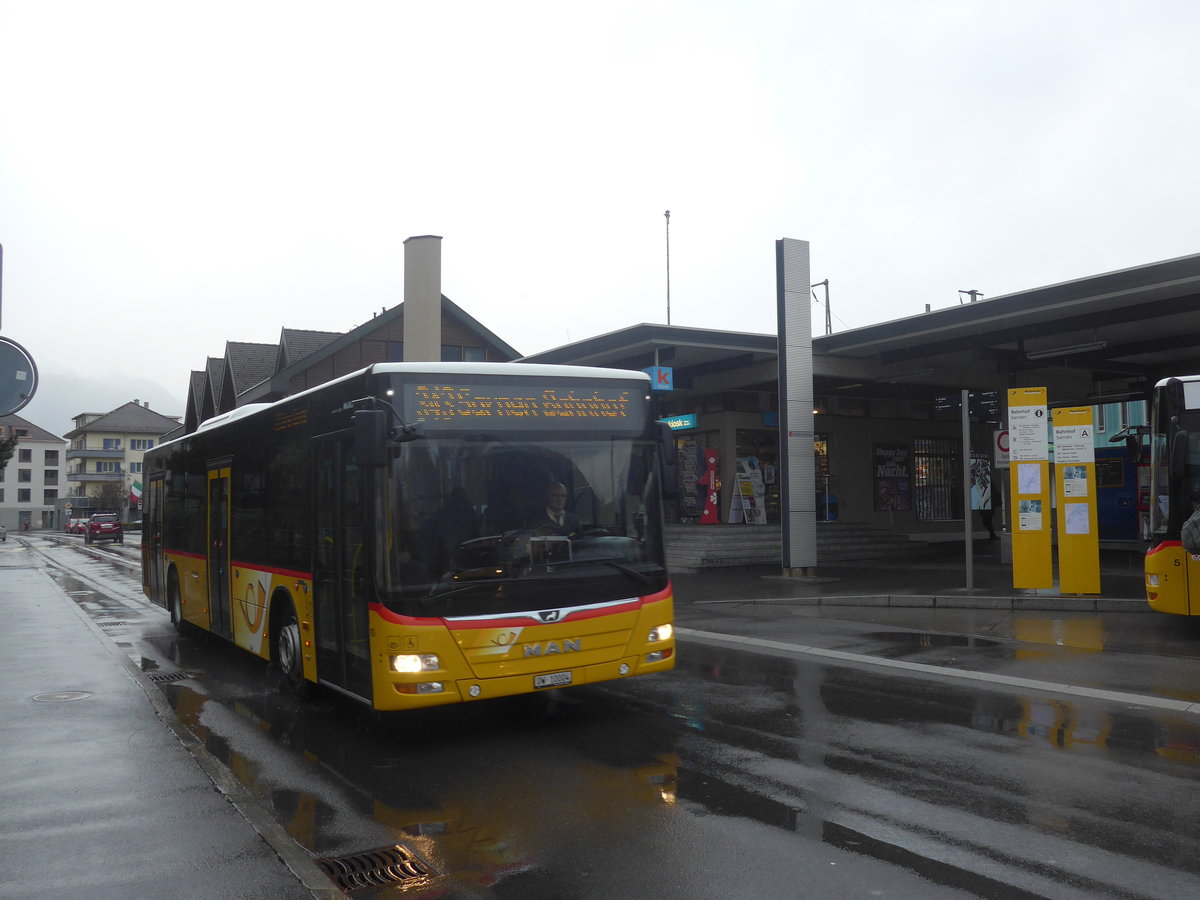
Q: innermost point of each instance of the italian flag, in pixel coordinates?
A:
(135, 493)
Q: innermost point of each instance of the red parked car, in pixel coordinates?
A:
(105, 525)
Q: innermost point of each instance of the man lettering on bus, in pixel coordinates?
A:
(554, 518)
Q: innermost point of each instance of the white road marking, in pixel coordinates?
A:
(1029, 684)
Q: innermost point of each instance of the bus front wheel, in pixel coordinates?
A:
(175, 604)
(289, 653)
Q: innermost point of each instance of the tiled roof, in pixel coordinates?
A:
(295, 344)
(248, 364)
(196, 392)
(33, 433)
(133, 418)
(215, 371)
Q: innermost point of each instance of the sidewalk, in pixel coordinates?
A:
(100, 795)
(937, 578)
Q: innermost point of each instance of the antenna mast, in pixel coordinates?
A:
(668, 216)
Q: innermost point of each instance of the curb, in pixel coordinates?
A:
(950, 601)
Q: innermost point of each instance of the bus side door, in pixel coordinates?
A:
(218, 551)
(340, 561)
(152, 558)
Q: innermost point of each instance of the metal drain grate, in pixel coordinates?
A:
(111, 624)
(166, 677)
(374, 868)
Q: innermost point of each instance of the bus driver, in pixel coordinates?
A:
(554, 518)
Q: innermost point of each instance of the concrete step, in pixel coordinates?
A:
(695, 547)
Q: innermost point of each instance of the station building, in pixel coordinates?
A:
(887, 427)
(887, 399)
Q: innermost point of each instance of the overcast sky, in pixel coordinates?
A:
(176, 175)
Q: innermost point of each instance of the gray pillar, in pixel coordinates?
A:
(797, 469)
(423, 299)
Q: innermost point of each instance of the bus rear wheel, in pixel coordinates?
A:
(289, 653)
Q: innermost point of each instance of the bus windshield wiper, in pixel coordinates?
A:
(614, 561)
(450, 589)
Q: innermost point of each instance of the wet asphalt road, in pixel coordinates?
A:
(750, 771)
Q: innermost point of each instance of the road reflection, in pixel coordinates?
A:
(511, 791)
(1062, 724)
(478, 792)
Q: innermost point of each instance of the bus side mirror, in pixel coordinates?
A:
(670, 462)
(1133, 448)
(1178, 459)
(370, 437)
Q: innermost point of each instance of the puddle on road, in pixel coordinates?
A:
(442, 782)
(903, 644)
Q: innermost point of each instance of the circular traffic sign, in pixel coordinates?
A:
(18, 377)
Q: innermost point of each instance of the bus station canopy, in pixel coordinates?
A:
(1099, 339)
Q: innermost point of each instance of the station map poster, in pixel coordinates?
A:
(1075, 494)
(1029, 485)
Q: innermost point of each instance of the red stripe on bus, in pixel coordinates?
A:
(395, 618)
(254, 567)
(286, 573)
(664, 594)
(1165, 545)
(512, 621)
(184, 553)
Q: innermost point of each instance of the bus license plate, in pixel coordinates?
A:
(558, 679)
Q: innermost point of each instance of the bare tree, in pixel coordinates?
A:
(110, 496)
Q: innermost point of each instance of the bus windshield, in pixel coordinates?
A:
(477, 525)
(1181, 495)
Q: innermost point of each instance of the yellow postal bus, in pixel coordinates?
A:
(421, 534)
(1172, 573)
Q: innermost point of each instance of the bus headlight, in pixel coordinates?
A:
(412, 663)
(1152, 579)
(661, 633)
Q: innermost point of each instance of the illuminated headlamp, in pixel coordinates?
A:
(412, 663)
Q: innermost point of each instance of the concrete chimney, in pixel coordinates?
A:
(423, 298)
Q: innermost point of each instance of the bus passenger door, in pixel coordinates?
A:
(218, 552)
(340, 560)
(152, 540)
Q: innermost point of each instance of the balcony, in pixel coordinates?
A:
(95, 454)
(91, 477)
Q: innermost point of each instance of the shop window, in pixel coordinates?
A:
(762, 446)
(937, 478)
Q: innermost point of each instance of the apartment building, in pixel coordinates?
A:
(104, 461)
(31, 483)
